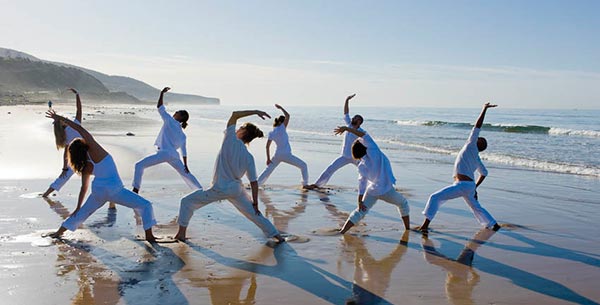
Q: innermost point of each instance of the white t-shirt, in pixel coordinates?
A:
(71, 133)
(349, 138)
(375, 176)
(280, 137)
(234, 160)
(171, 136)
(468, 161)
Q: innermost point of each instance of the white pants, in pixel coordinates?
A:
(286, 158)
(60, 181)
(392, 196)
(235, 194)
(161, 156)
(464, 189)
(122, 196)
(338, 163)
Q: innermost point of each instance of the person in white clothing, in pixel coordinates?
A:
(233, 162)
(63, 135)
(375, 181)
(169, 140)
(87, 158)
(283, 153)
(467, 162)
(346, 156)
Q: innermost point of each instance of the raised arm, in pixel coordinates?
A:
(160, 98)
(285, 113)
(236, 115)
(78, 114)
(481, 117)
(340, 129)
(346, 108)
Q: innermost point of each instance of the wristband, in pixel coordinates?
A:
(65, 169)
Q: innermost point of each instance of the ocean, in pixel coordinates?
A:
(561, 141)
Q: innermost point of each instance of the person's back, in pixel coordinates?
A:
(376, 168)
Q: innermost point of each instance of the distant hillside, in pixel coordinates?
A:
(27, 78)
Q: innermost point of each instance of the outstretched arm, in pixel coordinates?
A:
(346, 108)
(481, 117)
(285, 113)
(85, 182)
(236, 115)
(340, 129)
(84, 133)
(160, 98)
(78, 114)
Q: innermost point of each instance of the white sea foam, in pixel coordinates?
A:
(571, 132)
(543, 165)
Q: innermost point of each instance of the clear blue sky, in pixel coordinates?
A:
(535, 54)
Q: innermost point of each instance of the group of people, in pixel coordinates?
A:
(85, 156)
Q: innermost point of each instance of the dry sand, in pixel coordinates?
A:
(547, 252)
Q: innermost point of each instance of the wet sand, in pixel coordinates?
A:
(548, 251)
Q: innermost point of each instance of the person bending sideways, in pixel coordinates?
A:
(88, 158)
(375, 180)
(233, 162)
(467, 162)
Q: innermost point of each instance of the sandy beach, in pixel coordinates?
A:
(548, 251)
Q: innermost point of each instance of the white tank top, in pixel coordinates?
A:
(105, 173)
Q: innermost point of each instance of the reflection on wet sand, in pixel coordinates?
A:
(461, 278)
(371, 276)
(96, 285)
(225, 286)
(281, 218)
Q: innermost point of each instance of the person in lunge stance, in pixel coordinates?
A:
(169, 140)
(87, 158)
(375, 180)
(233, 162)
(467, 162)
(346, 157)
(283, 153)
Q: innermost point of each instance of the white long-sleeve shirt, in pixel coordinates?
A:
(349, 138)
(375, 171)
(233, 162)
(171, 136)
(468, 160)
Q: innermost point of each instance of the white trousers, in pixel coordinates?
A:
(161, 156)
(464, 189)
(285, 158)
(122, 196)
(338, 163)
(61, 181)
(392, 196)
(235, 194)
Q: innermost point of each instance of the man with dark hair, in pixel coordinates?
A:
(467, 162)
(346, 157)
(376, 179)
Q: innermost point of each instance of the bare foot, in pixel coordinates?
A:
(279, 238)
(135, 190)
(309, 187)
(180, 237)
(54, 235)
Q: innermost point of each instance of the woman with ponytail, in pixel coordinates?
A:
(63, 135)
(233, 162)
(284, 150)
(86, 157)
(169, 140)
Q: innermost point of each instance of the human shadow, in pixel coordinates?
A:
(519, 277)
(371, 276)
(291, 268)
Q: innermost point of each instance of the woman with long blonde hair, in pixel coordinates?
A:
(63, 135)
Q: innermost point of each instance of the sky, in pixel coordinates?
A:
(519, 54)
